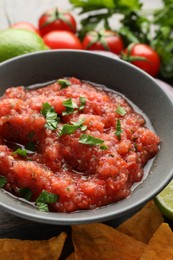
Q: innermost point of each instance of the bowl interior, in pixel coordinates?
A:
(140, 88)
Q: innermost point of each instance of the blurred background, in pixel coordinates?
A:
(150, 23)
(18, 10)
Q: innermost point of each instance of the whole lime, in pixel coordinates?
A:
(15, 42)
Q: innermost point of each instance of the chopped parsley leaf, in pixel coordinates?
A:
(63, 83)
(69, 129)
(42, 206)
(22, 152)
(44, 199)
(79, 123)
(51, 116)
(91, 140)
(83, 127)
(118, 129)
(103, 147)
(82, 103)
(47, 197)
(121, 111)
(45, 108)
(70, 106)
(25, 193)
(3, 181)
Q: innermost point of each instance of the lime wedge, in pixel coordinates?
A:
(164, 201)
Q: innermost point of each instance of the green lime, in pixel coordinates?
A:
(164, 201)
(15, 42)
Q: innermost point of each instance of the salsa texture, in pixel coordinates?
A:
(81, 143)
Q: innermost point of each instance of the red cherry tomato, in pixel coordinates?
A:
(104, 40)
(62, 40)
(26, 26)
(144, 57)
(56, 19)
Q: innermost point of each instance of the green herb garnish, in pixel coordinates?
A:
(121, 111)
(80, 125)
(91, 140)
(63, 83)
(70, 106)
(22, 152)
(3, 181)
(47, 197)
(44, 199)
(25, 193)
(103, 147)
(82, 103)
(42, 206)
(51, 116)
(118, 129)
(69, 129)
(83, 127)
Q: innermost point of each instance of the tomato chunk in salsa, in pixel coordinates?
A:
(70, 138)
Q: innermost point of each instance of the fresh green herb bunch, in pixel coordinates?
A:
(135, 25)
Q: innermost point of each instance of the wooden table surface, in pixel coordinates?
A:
(18, 10)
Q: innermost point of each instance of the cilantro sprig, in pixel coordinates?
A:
(82, 103)
(21, 152)
(63, 83)
(25, 193)
(51, 116)
(45, 198)
(91, 140)
(121, 111)
(70, 106)
(153, 27)
(3, 181)
(70, 129)
(118, 131)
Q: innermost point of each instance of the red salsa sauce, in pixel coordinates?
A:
(82, 145)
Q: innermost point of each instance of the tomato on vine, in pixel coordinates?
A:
(144, 57)
(56, 19)
(62, 40)
(104, 40)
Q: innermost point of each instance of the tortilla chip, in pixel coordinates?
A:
(71, 257)
(143, 224)
(99, 241)
(15, 249)
(161, 245)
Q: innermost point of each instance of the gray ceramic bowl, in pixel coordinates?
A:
(120, 76)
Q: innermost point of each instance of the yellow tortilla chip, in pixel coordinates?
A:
(143, 224)
(71, 257)
(15, 249)
(160, 246)
(99, 241)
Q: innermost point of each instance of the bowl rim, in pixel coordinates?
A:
(86, 216)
